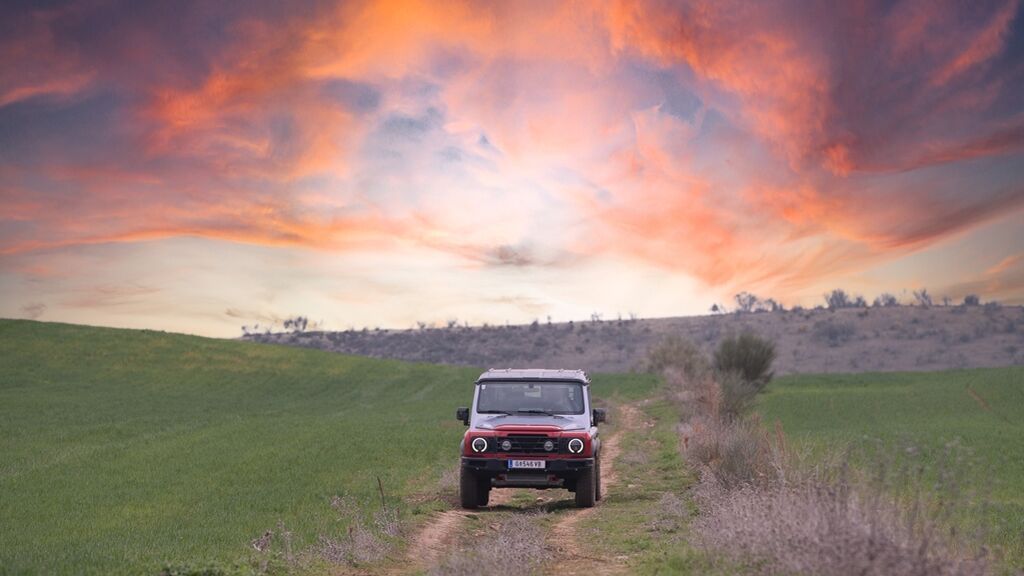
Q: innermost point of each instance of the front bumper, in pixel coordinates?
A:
(557, 473)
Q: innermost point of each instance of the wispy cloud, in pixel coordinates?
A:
(733, 143)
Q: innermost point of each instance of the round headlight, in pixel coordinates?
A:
(575, 445)
(479, 444)
(549, 445)
(506, 445)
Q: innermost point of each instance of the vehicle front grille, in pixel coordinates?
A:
(529, 443)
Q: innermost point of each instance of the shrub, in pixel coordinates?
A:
(885, 300)
(837, 298)
(834, 334)
(734, 452)
(749, 355)
(737, 394)
(923, 298)
(972, 300)
(675, 353)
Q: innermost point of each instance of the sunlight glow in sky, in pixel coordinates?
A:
(197, 166)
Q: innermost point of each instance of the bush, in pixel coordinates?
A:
(923, 298)
(972, 300)
(837, 298)
(834, 334)
(737, 394)
(748, 355)
(675, 353)
(885, 300)
(735, 453)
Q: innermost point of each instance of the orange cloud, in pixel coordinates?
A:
(987, 43)
(35, 65)
(563, 126)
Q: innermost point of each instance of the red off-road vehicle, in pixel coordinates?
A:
(531, 429)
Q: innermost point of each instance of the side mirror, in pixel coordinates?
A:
(600, 415)
(462, 414)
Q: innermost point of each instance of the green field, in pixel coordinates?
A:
(122, 451)
(981, 409)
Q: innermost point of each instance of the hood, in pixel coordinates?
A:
(499, 421)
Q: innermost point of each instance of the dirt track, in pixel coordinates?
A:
(428, 546)
(565, 530)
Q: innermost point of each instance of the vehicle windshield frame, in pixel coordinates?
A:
(487, 408)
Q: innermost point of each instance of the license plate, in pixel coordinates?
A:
(526, 464)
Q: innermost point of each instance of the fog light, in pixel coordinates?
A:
(549, 445)
(506, 445)
(575, 445)
(479, 444)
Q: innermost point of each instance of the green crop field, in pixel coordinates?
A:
(122, 451)
(981, 410)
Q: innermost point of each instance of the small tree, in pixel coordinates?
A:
(923, 298)
(885, 300)
(972, 300)
(837, 298)
(749, 355)
(746, 302)
(296, 324)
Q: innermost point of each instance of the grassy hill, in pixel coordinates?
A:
(887, 339)
(122, 451)
(981, 410)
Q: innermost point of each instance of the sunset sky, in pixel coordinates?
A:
(197, 166)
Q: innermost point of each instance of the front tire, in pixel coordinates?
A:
(483, 491)
(586, 489)
(469, 489)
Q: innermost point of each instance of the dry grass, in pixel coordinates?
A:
(361, 542)
(670, 515)
(515, 546)
(830, 525)
(448, 485)
(760, 505)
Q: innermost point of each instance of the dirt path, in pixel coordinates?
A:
(429, 545)
(565, 530)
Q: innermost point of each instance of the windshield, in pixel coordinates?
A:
(530, 398)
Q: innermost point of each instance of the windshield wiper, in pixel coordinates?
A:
(544, 412)
(494, 412)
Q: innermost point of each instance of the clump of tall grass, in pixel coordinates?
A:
(361, 542)
(516, 547)
(832, 518)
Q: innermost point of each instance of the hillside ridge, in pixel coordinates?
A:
(877, 339)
